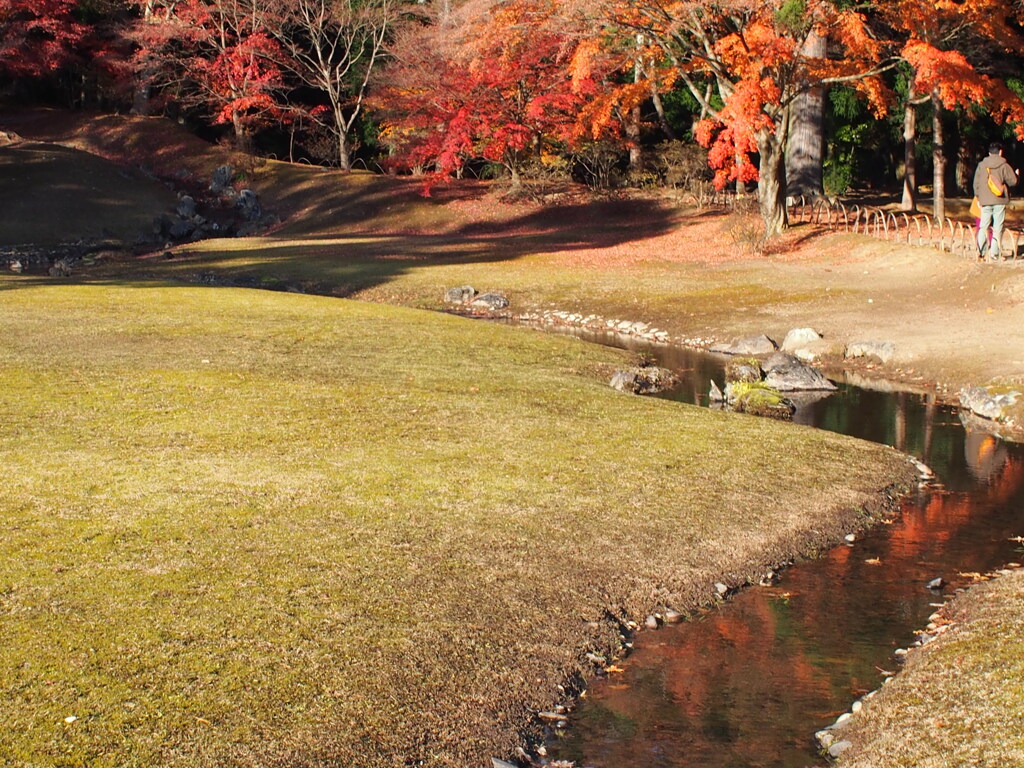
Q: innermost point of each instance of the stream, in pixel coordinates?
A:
(748, 683)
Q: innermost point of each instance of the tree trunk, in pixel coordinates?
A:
(805, 150)
(633, 127)
(771, 185)
(344, 151)
(659, 108)
(633, 139)
(140, 98)
(341, 134)
(939, 162)
(964, 171)
(242, 138)
(909, 155)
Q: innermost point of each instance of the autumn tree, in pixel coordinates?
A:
(37, 37)
(101, 73)
(946, 46)
(492, 83)
(216, 55)
(335, 46)
(754, 55)
(76, 45)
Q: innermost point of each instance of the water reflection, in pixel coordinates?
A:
(749, 683)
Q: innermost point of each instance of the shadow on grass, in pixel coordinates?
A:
(346, 262)
(51, 194)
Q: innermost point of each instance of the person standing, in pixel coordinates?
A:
(992, 182)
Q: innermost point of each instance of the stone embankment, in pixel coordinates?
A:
(992, 409)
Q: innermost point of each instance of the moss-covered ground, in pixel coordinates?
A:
(255, 528)
(249, 528)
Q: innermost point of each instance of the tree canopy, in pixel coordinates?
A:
(447, 86)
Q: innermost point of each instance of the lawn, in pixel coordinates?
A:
(251, 528)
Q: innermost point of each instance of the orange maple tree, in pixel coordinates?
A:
(945, 44)
(745, 61)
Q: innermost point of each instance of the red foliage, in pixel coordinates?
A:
(215, 53)
(37, 36)
(242, 78)
(501, 90)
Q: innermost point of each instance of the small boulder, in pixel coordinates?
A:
(787, 374)
(743, 370)
(162, 224)
(799, 337)
(186, 207)
(181, 229)
(248, 203)
(982, 401)
(715, 394)
(882, 351)
(60, 268)
(756, 346)
(825, 738)
(816, 350)
(758, 399)
(836, 749)
(492, 301)
(461, 295)
(221, 179)
(643, 380)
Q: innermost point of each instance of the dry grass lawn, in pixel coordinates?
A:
(958, 702)
(249, 528)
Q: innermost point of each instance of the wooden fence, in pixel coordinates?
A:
(957, 237)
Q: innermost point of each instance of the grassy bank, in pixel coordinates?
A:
(959, 700)
(253, 528)
(652, 259)
(649, 258)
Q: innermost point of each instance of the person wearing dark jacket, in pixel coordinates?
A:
(992, 182)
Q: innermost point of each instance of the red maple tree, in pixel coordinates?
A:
(37, 36)
(214, 54)
(493, 83)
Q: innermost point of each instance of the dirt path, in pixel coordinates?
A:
(953, 321)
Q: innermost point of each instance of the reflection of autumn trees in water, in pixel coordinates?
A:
(749, 684)
(943, 515)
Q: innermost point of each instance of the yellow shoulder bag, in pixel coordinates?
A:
(993, 186)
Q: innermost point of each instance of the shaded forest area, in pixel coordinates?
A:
(801, 97)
